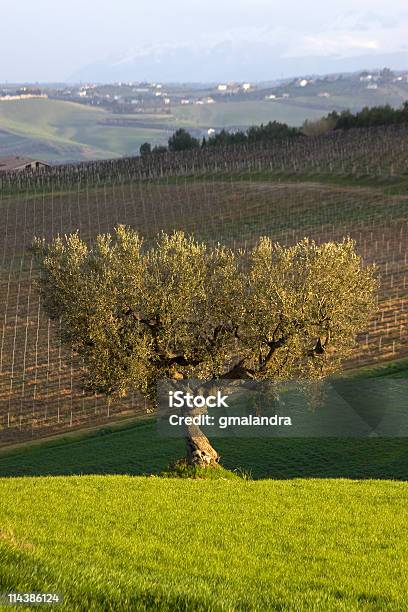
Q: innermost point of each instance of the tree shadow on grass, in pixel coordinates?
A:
(138, 450)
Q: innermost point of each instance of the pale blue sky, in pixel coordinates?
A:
(51, 39)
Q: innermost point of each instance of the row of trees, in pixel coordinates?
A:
(375, 116)
(369, 117)
(182, 140)
(181, 309)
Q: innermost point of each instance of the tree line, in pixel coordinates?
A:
(182, 140)
(368, 117)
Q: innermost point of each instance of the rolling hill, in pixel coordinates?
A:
(60, 131)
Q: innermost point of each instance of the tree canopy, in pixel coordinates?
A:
(145, 149)
(369, 117)
(179, 308)
(183, 141)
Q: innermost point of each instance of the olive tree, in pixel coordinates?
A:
(136, 313)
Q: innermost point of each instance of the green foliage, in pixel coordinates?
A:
(369, 117)
(274, 130)
(181, 309)
(145, 149)
(159, 150)
(183, 141)
(319, 126)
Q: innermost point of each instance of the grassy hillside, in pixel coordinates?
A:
(245, 113)
(58, 130)
(121, 543)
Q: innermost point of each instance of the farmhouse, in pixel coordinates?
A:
(19, 164)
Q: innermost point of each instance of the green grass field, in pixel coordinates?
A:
(58, 130)
(245, 113)
(123, 543)
(322, 524)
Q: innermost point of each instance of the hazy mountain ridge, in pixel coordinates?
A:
(226, 61)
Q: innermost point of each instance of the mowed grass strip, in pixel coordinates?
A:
(125, 543)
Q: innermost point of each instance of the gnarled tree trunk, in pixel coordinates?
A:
(199, 449)
(200, 452)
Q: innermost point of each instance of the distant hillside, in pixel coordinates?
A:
(60, 131)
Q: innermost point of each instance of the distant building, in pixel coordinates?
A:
(210, 131)
(222, 87)
(372, 86)
(20, 164)
(11, 97)
(270, 97)
(246, 86)
(208, 100)
(303, 82)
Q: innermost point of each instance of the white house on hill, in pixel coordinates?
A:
(21, 164)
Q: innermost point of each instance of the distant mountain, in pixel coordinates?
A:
(226, 61)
